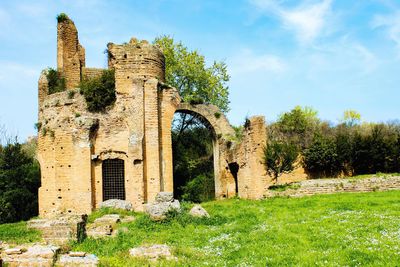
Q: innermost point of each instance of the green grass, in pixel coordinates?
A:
(17, 233)
(357, 229)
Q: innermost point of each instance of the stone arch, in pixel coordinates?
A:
(215, 120)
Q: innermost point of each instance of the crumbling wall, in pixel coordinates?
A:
(73, 142)
(252, 177)
(70, 54)
(136, 59)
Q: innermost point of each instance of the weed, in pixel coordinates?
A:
(71, 94)
(38, 125)
(62, 17)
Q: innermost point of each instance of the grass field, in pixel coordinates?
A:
(17, 233)
(361, 229)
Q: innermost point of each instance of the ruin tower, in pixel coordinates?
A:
(78, 150)
(70, 54)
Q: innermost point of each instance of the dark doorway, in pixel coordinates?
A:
(113, 179)
(234, 168)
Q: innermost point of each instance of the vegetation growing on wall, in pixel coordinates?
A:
(99, 92)
(55, 81)
(62, 17)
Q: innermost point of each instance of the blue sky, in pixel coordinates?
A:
(331, 55)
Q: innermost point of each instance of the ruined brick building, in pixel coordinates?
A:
(126, 152)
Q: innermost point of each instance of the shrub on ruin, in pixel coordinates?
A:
(62, 17)
(55, 81)
(99, 92)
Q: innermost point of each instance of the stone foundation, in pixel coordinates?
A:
(339, 185)
(61, 230)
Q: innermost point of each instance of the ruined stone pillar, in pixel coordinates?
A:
(70, 54)
(152, 170)
(169, 100)
(252, 176)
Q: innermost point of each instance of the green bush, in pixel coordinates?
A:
(56, 83)
(321, 158)
(377, 150)
(279, 157)
(199, 189)
(99, 92)
(19, 183)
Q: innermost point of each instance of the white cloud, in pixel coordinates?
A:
(391, 23)
(307, 20)
(246, 61)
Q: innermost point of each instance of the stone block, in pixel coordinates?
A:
(108, 219)
(199, 211)
(153, 252)
(117, 204)
(164, 197)
(88, 260)
(36, 255)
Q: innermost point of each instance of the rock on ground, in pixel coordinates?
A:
(128, 219)
(36, 255)
(199, 211)
(116, 204)
(163, 204)
(109, 218)
(165, 197)
(103, 226)
(153, 252)
(71, 260)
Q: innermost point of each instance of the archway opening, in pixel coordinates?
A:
(234, 169)
(113, 179)
(193, 157)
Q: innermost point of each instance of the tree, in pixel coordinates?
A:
(187, 71)
(298, 126)
(351, 117)
(321, 158)
(279, 157)
(19, 183)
